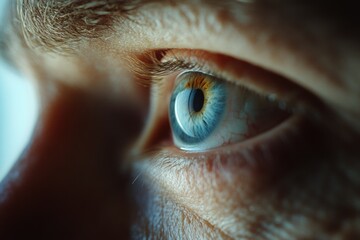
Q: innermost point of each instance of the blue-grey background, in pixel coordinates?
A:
(18, 110)
(18, 114)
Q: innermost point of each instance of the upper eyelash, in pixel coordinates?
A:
(150, 69)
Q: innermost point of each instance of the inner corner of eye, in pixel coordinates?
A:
(206, 112)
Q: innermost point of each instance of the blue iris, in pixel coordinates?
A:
(196, 107)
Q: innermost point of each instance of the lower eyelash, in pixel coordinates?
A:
(250, 169)
(263, 152)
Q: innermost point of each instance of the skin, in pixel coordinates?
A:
(102, 164)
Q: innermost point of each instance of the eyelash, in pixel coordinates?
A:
(151, 69)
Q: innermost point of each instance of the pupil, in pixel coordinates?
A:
(197, 100)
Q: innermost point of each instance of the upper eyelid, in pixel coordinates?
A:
(293, 55)
(155, 65)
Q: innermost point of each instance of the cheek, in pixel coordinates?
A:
(221, 197)
(158, 216)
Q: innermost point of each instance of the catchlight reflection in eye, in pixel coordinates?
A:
(206, 112)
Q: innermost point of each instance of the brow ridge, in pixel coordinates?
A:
(55, 24)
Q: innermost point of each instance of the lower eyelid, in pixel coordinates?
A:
(242, 172)
(250, 150)
(258, 159)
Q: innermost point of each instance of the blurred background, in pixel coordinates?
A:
(18, 110)
(18, 113)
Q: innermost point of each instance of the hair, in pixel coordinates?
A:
(61, 24)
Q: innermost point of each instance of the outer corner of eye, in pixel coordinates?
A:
(206, 112)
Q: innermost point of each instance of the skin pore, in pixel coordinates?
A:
(102, 163)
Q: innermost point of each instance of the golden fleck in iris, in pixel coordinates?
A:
(199, 81)
(202, 82)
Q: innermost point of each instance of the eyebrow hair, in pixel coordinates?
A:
(60, 24)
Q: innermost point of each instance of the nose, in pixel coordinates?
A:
(68, 184)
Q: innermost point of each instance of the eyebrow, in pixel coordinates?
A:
(61, 24)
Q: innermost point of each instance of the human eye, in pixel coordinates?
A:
(207, 112)
(218, 129)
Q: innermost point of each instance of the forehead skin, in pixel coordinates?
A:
(53, 23)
